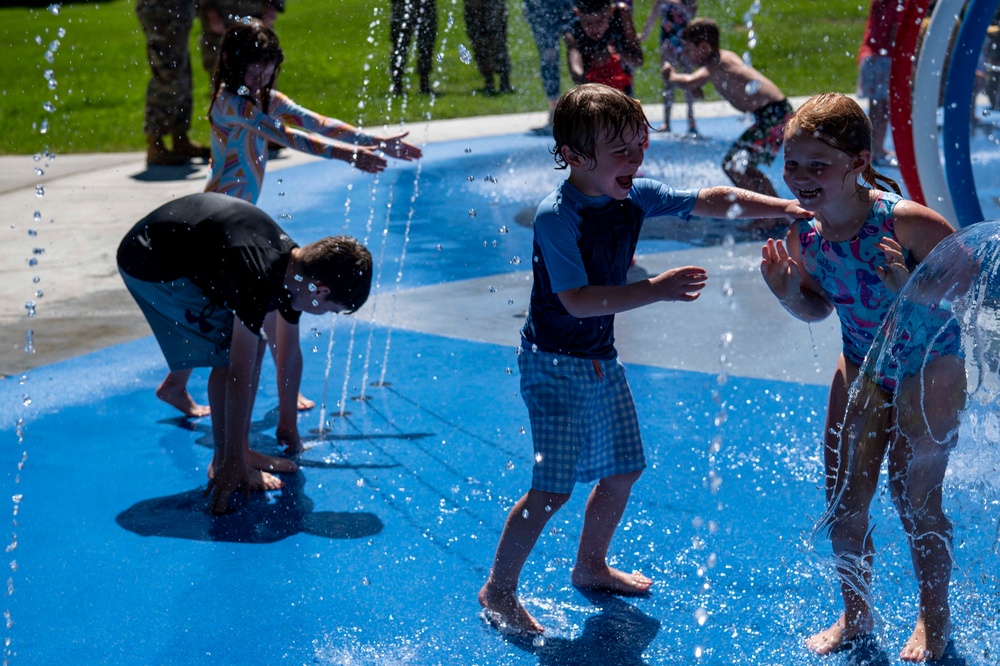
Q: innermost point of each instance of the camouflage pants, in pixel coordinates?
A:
(167, 24)
(409, 16)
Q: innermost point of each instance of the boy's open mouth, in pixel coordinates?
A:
(624, 181)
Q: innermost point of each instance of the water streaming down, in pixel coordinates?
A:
(931, 386)
(42, 160)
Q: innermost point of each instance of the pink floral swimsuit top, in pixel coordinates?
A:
(846, 273)
(241, 130)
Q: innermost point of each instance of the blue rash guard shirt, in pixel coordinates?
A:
(582, 241)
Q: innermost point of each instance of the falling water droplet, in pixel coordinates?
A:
(54, 9)
(37, 217)
(524, 514)
(43, 128)
(752, 87)
(243, 91)
(30, 307)
(39, 191)
(515, 260)
(510, 464)
(503, 230)
(49, 106)
(464, 55)
(472, 212)
(734, 211)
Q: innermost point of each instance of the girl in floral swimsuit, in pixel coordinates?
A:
(853, 257)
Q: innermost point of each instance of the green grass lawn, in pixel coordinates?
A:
(336, 62)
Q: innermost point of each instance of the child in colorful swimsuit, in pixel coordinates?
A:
(673, 16)
(601, 44)
(853, 257)
(245, 114)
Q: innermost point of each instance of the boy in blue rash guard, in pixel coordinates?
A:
(583, 419)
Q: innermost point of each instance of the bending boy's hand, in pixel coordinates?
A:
(288, 437)
(680, 284)
(394, 146)
(895, 273)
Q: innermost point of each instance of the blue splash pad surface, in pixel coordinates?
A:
(374, 553)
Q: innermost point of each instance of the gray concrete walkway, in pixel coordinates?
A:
(89, 202)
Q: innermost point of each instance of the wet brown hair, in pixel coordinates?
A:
(702, 30)
(344, 265)
(247, 44)
(590, 113)
(839, 122)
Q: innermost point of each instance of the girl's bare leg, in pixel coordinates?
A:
(929, 405)
(852, 543)
(173, 391)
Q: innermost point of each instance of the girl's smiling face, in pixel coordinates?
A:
(615, 163)
(818, 174)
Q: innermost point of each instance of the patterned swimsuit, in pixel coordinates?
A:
(241, 130)
(846, 273)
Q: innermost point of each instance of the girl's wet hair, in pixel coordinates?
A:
(840, 123)
(594, 112)
(247, 44)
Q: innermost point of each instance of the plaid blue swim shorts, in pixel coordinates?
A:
(583, 420)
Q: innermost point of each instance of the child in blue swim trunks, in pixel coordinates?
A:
(583, 419)
(852, 258)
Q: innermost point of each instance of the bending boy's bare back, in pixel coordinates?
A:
(742, 86)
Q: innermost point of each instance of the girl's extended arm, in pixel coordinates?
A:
(919, 230)
(299, 117)
(733, 202)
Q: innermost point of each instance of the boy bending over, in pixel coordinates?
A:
(583, 419)
(746, 89)
(205, 270)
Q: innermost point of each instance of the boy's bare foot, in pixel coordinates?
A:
(926, 644)
(305, 403)
(502, 610)
(611, 580)
(267, 463)
(183, 401)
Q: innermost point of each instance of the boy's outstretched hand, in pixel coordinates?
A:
(680, 284)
